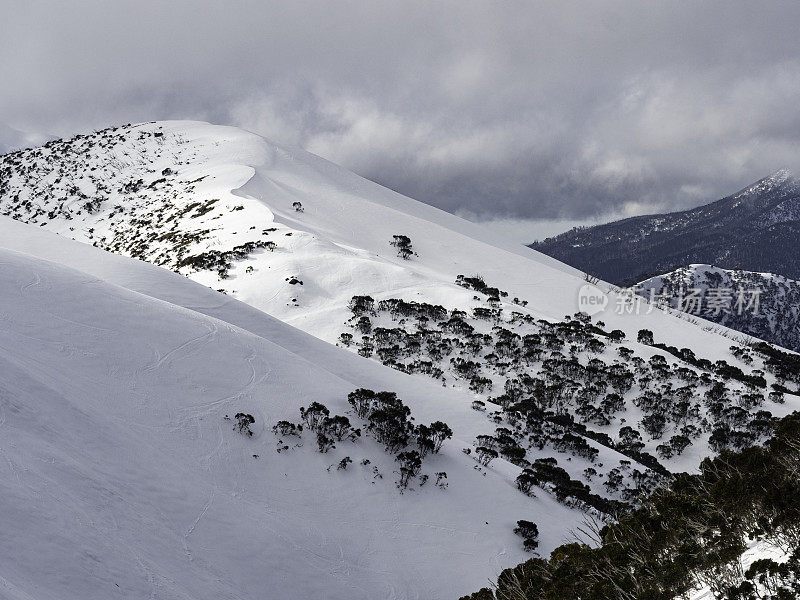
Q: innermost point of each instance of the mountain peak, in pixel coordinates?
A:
(755, 229)
(781, 175)
(779, 180)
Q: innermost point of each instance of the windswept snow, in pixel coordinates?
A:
(120, 477)
(227, 188)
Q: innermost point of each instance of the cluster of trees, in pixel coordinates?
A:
(242, 422)
(328, 429)
(390, 423)
(389, 420)
(547, 475)
(403, 245)
(477, 283)
(503, 443)
(410, 466)
(785, 366)
(286, 428)
(689, 533)
(754, 379)
(529, 532)
(631, 484)
(766, 579)
(222, 261)
(562, 433)
(555, 380)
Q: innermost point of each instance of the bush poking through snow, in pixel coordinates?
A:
(324, 442)
(403, 245)
(485, 455)
(328, 429)
(314, 415)
(287, 428)
(243, 422)
(431, 437)
(529, 532)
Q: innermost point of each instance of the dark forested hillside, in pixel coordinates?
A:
(756, 229)
(689, 535)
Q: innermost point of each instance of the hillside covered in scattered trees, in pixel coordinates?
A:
(690, 534)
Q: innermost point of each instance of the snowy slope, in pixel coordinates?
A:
(122, 479)
(215, 205)
(348, 221)
(228, 188)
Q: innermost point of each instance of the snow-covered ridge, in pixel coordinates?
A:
(193, 197)
(219, 206)
(163, 193)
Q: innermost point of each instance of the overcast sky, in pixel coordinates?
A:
(494, 110)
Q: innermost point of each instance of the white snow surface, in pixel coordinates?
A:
(121, 479)
(339, 246)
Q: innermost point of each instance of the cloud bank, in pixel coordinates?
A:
(493, 110)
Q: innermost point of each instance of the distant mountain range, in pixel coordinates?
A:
(756, 229)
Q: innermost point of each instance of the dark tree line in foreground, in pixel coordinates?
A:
(689, 533)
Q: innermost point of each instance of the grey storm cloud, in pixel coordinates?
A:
(517, 110)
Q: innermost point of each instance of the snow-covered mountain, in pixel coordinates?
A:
(763, 305)
(122, 470)
(756, 229)
(197, 199)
